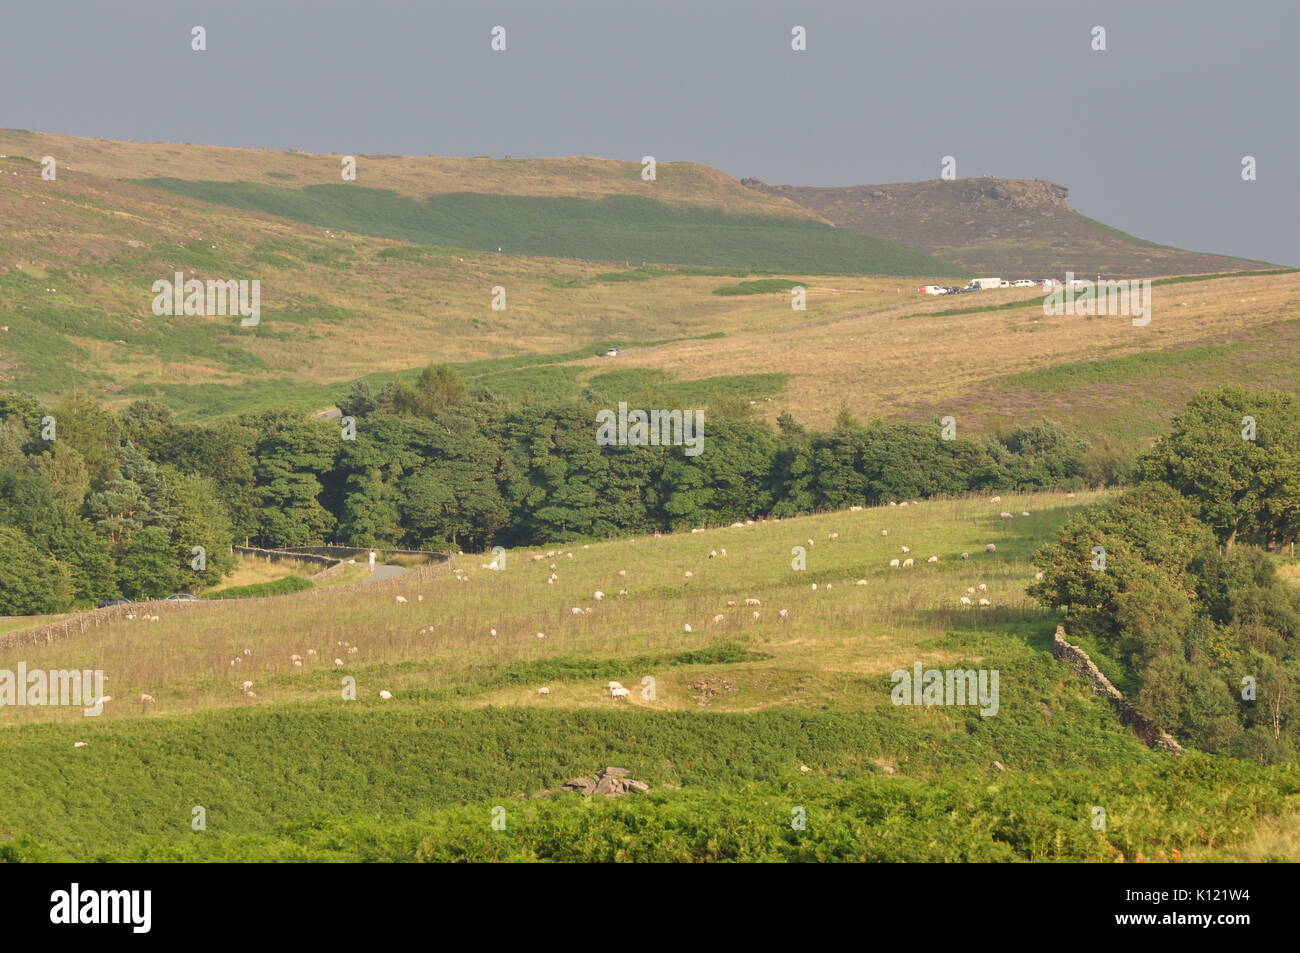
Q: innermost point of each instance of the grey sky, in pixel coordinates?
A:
(1148, 135)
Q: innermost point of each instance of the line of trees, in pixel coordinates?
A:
(115, 503)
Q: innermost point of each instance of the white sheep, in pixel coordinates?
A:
(783, 613)
(965, 555)
(1024, 512)
(687, 628)
(756, 615)
(338, 663)
(598, 595)
(613, 685)
(385, 694)
(247, 686)
(983, 587)
(1038, 577)
(719, 618)
(689, 574)
(995, 499)
(401, 599)
(893, 564)
(622, 572)
(907, 549)
(933, 559)
(860, 582)
(991, 548)
(908, 562)
(965, 600)
(985, 602)
(147, 699)
(713, 554)
(884, 532)
(620, 693)
(1005, 515)
(543, 691)
(78, 744)
(752, 602)
(833, 536)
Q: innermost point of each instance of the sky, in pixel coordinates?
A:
(1149, 135)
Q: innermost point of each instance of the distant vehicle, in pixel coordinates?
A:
(181, 597)
(983, 284)
(932, 289)
(1023, 283)
(115, 602)
(1004, 284)
(611, 352)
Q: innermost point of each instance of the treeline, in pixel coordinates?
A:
(95, 504)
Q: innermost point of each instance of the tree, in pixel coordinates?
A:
(1236, 454)
(31, 583)
(147, 565)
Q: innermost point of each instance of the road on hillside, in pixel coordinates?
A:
(383, 571)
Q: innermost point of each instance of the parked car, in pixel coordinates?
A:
(115, 602)
(1023, 283)
(611, 352)
(181, 597)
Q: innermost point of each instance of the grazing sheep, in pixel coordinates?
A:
(756, 615)
(904, 503)
(884, 532)
(401, 599)
(352, 650)
(1024, 512)
(248, 652)
(295, 658)
(970, 590)
(990, 548)
(598, 595)
(1005, 515)
(723, 550)
(810, 542)
(814, 585)
(147, 699)
(907, 549)
(1069, 496)
(893, 564)
(719, 618)
(622, 592)
(1038, 577)
(297, 664)
(713, 554)
(860, 582)
(613, 685)
(983, 587)
(620, 693)
(908, 563)
(731, 603)
(965, 600)
(687, 628)
(78, 744)
(338, 663)
(783, 613)
(246, 686)
(965, 555)
(933, 559)
(541, 635)
(622, 572)
(576, 611)
(985, 602)
(689, 574)
(311, 651)
(543, 691)
(492, 632)
(752, 602)
(833, 536)
(855, 509)
(385, 694)
(995, 499)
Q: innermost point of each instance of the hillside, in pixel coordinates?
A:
(746, 713)
(1012, 228)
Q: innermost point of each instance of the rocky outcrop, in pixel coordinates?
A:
(611, 782)
(1151, 734)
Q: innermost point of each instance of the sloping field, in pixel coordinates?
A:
(612, 228)
(1100, 376)
(739, 717)
(1012, 228)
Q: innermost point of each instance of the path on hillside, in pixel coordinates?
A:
(385, 571)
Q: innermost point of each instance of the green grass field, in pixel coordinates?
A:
(740, 708)
(613, 228)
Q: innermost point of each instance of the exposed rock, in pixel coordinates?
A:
(611, 782)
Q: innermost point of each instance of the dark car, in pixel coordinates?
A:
(115, 602)
(181, 597)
